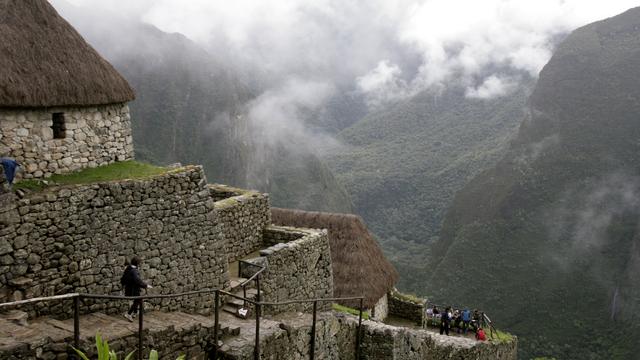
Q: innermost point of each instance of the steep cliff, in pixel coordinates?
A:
(548, 241)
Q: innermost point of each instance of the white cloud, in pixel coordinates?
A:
(383, 84)
(346, 41)
(493, 86)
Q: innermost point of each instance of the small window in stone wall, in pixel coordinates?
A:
(58, 127)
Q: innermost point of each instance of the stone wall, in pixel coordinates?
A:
(401, 305)
(76, 239)
(298, 267)
(94, 136)
(336, 339)
(242, 215)
(381, 309)
(381, 341)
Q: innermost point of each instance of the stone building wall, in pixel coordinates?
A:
(76, 239)
(94, 136)
(298, 267)
(405, 308)
(242, 215)
(381, 309)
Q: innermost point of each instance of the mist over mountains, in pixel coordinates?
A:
(192, 108)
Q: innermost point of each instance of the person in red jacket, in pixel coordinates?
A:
(480, 336)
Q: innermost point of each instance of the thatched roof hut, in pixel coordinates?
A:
(359, 266)
(44, 62)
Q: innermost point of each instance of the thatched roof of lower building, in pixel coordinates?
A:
(45, 62)
(359, 266)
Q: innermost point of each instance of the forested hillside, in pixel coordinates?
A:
(548, 241)
(403, 164)
(191, 108)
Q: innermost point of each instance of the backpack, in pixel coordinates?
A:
(124, 279)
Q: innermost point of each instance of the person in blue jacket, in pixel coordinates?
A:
(132, 283)
(10, 166)
(466, 320)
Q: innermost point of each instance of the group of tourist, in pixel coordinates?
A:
(460, 321)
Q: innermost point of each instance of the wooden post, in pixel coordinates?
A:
(258, 286)
(256, 350)
(140, 326)
(312, 353)
(76, 324)
(216, 324)
(359, 334)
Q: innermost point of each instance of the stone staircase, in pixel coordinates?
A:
(233, 305)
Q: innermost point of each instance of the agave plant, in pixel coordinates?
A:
(104, 353)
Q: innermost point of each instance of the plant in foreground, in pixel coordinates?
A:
(104, 353)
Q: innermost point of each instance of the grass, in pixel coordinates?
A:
(115, 171)
(408, 297)
(352, 311)
(499, 336)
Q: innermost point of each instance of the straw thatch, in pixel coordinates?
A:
(45, 62)
(359, 266)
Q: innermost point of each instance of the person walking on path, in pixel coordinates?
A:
(132, 283)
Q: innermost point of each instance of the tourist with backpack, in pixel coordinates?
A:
(132, 284)
(466, 320)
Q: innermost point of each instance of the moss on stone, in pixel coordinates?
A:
(116, 171)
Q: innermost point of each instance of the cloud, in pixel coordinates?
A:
(383, 84)
(492, 86)
(351, 43)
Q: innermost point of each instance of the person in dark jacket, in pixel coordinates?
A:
(132, 283)
(445, 322)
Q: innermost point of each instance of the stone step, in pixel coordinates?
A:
(236, 311)
(236, 302)
(235, 283)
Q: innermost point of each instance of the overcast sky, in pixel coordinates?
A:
(384, 48)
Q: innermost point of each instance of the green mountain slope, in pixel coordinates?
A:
(403, 165)
(548, 241)
(191, 108)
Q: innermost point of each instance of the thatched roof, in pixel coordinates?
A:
(45, 62)
(359, 266)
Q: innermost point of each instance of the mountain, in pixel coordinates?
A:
(191, 107)
(548, 240)
(403, 164)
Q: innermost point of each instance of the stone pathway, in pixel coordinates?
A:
(18, 337)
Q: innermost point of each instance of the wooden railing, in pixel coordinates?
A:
(78, 297)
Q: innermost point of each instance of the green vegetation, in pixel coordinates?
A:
(116, 171)
(499, 336)
(104, 353)
(404, 163)
(352, 311)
